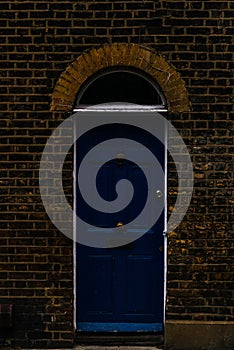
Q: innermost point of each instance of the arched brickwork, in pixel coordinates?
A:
(130, 55)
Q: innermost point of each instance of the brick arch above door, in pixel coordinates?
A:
(126, 55)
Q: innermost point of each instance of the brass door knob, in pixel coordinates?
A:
(120, 159)
(119, 224)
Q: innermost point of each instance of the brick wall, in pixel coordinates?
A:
(38, 39)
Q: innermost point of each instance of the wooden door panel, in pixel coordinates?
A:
(121, 288)
(99, 284)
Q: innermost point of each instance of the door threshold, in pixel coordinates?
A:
(120, 338)
(119, 327)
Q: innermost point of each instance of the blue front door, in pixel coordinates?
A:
(120, 289)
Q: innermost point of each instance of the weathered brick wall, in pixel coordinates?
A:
(38, 39)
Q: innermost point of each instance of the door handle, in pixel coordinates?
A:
(120, 159)
(119, 224)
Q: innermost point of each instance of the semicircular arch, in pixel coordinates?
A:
(126, 55)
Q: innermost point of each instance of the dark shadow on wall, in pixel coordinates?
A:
(28, 325)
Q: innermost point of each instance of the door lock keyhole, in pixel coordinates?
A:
(159, 194)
